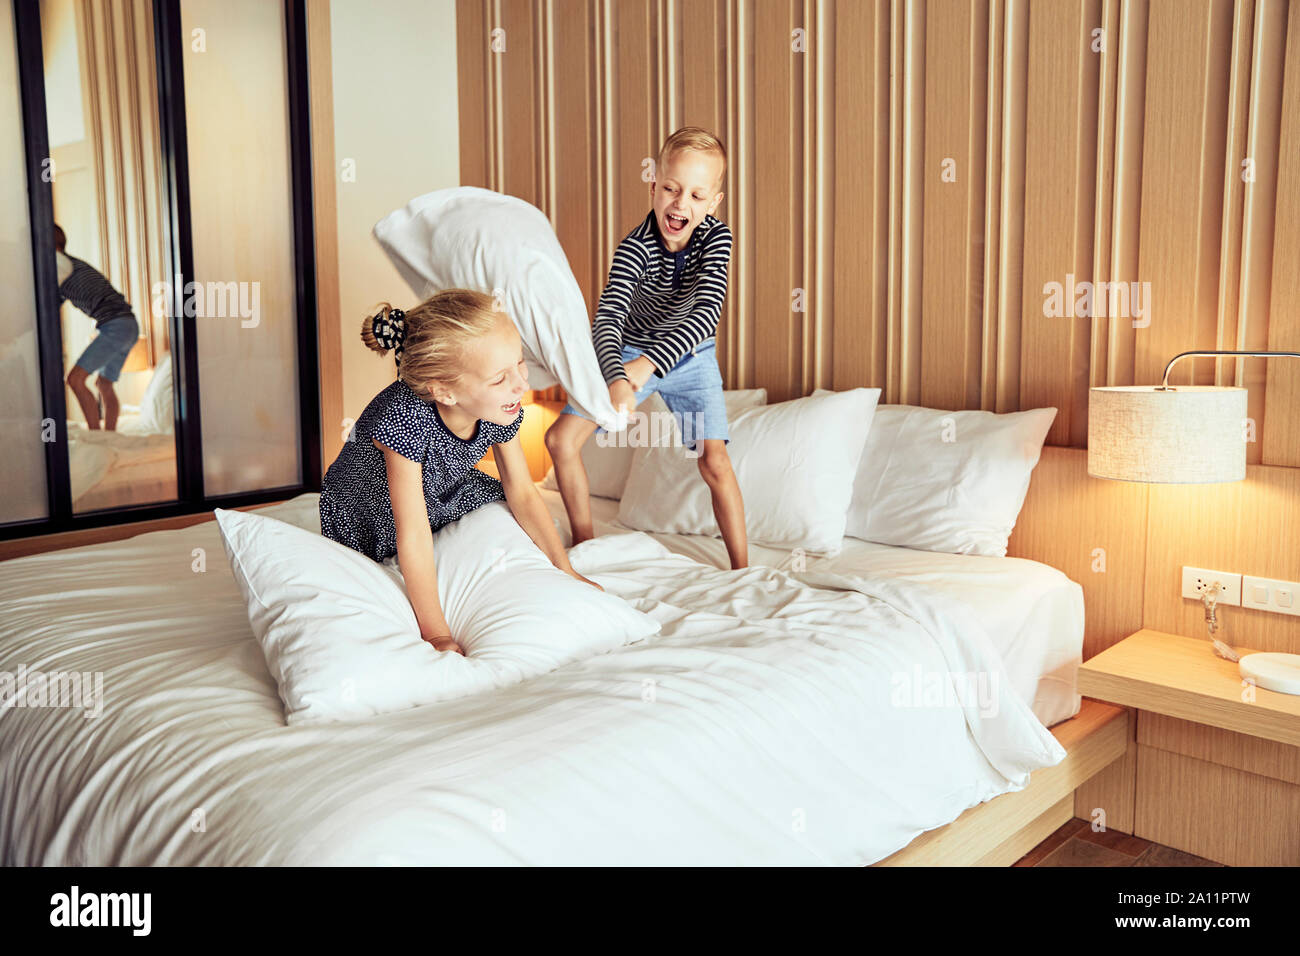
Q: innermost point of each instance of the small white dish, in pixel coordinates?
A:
(1275, 672)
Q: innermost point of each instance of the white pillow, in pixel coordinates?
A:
(938, 480)
(341, 640)
(156, 409)
(471, 238)
(609, 465)
(795, 462)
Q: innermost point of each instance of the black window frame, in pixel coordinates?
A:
(169, 45)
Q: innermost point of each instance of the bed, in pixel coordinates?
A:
(753, 730)
(129, 466)
(136, 463)
(1032, 612)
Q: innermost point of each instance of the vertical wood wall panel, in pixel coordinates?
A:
(1180, 189)
(523, 144)
(473, 90)
(777, 202)
(1258, 204)
(818, 158)
(1126, 36)
(635, 92)
(1234, 193)
(703, 85)
(1282, 430)
(993, 180)
(1098, 139)
(739, 346)
(576, 165)
(1057, 171)
(858, 256)
(907, 174)
(1007, 206)
(953, 190)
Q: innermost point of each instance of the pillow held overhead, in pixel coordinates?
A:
(471, 238)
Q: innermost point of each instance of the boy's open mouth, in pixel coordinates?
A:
(675, 224)
(511, 408)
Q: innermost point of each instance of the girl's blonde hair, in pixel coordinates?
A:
(437, 332)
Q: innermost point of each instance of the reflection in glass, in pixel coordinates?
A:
(22, 463)
(102, 109)
(241, 192)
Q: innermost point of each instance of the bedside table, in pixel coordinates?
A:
(1183, 677)
(1210, 773)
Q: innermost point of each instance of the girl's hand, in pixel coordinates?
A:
(575, 574)
(445, 642)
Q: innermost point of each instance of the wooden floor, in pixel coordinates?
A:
(1075, 844)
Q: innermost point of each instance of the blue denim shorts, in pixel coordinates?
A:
(692, 390)
(108, 350)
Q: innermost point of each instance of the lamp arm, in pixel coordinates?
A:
(1182, 355)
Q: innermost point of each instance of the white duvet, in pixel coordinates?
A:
(92, 453)
(771, 722)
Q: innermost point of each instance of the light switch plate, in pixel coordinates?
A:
(1269, 594)
(1197, 580)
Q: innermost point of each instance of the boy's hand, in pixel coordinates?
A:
(639, 371)
(623, 396)
(445, 642)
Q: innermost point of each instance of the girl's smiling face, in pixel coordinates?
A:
(493, 377)
(683, 193)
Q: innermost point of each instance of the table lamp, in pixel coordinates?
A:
(137, 360)
(1186, 434)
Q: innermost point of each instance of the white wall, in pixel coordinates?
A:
(395, 119)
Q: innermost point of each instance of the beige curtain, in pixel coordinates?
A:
(120, 88)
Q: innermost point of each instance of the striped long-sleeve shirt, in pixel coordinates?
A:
(87, 289)
(664, 303)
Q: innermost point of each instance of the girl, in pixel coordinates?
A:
(407, 469)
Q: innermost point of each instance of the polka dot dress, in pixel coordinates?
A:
(355, 508)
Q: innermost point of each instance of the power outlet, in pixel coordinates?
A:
(1196, 581)
(1266, 594)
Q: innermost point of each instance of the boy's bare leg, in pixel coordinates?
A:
(85, 398)
(564, 441)
(728, 506)
(111, 406)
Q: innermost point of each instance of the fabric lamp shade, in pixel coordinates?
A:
(137, 360)
(1192, 434)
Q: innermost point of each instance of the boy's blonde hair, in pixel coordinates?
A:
(437, 332)
(693, 138)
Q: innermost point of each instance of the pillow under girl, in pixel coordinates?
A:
(407, 468)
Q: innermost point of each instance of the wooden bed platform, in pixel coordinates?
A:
(1004, 829)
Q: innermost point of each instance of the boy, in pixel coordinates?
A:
(655, 330)
(116, 324)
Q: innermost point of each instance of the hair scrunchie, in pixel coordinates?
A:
(390, 331)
